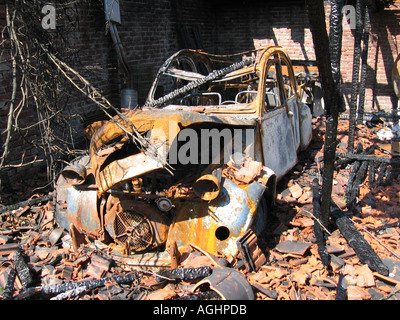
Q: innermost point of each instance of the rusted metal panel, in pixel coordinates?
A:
(305, 126)
(277, 135)
(125, 169)
(217, 225)
(82, 210)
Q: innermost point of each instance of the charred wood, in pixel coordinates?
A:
(366, 165)
(335, 37)
(206, 295)
(341, 293)
(9, 289)
(185, 273)
(352, 175)
(22, 269)
(359, 175)
(384, 172)
(363, 157)
(356, 69)
(361, 247)
(364, 63)
(89, 284)
(327, 51)
(329, 166)
(316, 17)
(372, 174)
(70, 293)
(377, 178)
(30, 202)
(318, 232)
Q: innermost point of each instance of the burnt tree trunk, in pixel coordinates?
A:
(25, 203)
(364, 64)
(354, 238)
(318, 231)
(328, 52)
(316, 17)
(22, 269)
(356, 75)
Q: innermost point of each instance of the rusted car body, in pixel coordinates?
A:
(222, 132)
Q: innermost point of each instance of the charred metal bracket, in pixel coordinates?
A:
(252, 256)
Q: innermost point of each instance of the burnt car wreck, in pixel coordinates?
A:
(223, 130)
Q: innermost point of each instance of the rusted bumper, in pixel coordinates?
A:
(216, 226)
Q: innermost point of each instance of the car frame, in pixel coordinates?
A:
(228, 129)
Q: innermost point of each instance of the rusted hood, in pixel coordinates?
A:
(161, 127)
(146, 120)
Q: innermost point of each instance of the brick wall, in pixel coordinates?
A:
(150, 33)
(243, 25)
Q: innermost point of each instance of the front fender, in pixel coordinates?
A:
(216, 226)
(77, 204)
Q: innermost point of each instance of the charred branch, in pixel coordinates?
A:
(357, 176)
(363, 157)
(318, 231)
(356, 71)
(185, 273)
(74, 287)
(22, 269)
(362, 248)
(9, 289)
(364, 63)
(206, 295)
(327, 51)
(341, 290)
(30, 202)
